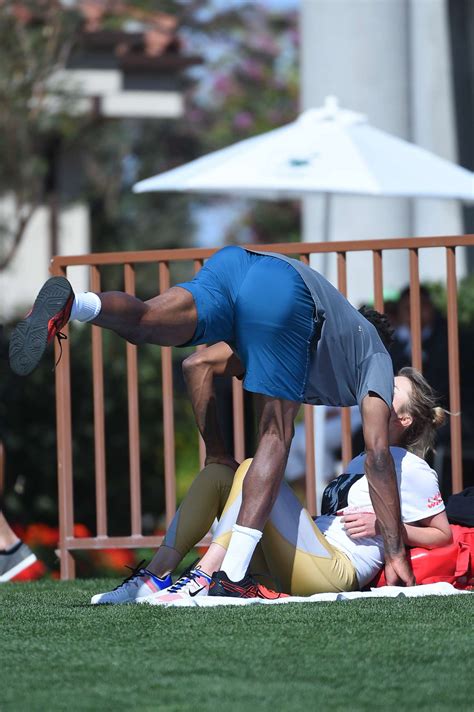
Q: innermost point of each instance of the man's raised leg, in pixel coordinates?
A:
(169, 319)
(166, 320)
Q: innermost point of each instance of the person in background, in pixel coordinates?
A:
(435, 358)
(17, 561)
(434, 341)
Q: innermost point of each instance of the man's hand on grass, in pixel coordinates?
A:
(398, 571)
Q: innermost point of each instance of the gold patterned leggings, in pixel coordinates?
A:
(293, 554)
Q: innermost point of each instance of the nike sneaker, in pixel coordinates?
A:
(248, 587)
(192, 583)
(50, 312)
(140, 584)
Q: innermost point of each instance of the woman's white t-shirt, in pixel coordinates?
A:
(419, 498)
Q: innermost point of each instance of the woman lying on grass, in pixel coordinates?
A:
(339, 552)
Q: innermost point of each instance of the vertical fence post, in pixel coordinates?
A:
(309, 426)
(310, 460)
(133, 420)
(168, 411)
(202, 448)
(64, 450)
(415, 318)
(345, 412)
(99, 418)
(454, 376)
(378, 280)
(238, 419)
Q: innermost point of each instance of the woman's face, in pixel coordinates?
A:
(400, 420)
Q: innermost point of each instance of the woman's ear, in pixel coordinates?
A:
(405, 419)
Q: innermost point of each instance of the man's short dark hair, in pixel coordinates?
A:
(384, 328)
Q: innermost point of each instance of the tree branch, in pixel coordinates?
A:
(17, 238)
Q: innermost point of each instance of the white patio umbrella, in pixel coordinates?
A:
(327, 150)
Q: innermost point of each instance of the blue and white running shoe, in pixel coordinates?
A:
(140, 584)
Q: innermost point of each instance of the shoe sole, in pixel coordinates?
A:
(30, 337)
(110, 603)
(96, 601)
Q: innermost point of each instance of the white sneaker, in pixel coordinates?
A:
(140, 584)
(193, 583)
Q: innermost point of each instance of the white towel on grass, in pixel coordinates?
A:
(431, 589)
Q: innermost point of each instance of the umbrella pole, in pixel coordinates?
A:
(327, 203)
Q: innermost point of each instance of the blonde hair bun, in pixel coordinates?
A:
(426, 414)
(439, 416)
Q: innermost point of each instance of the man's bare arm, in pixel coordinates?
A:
(199, 370)
(380, 472)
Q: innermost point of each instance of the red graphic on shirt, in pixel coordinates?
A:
(435, 501)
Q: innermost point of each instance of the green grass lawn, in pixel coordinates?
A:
(59, 653)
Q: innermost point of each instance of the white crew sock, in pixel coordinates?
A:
(240, 551)
(86, 306)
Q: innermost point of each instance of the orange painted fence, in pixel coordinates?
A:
(129, 262)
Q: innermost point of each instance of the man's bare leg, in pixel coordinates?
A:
(169, 319)
(15, 557)
(8, 538)
(262, 482)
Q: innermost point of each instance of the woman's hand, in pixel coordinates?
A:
(398, 570)
(360, 524)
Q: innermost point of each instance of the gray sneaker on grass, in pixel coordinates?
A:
(14, 561)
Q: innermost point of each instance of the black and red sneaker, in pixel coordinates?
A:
(50, 312)
(221, 585)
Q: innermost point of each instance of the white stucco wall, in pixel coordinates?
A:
(19, 284)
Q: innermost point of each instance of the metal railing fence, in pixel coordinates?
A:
(163, 259)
